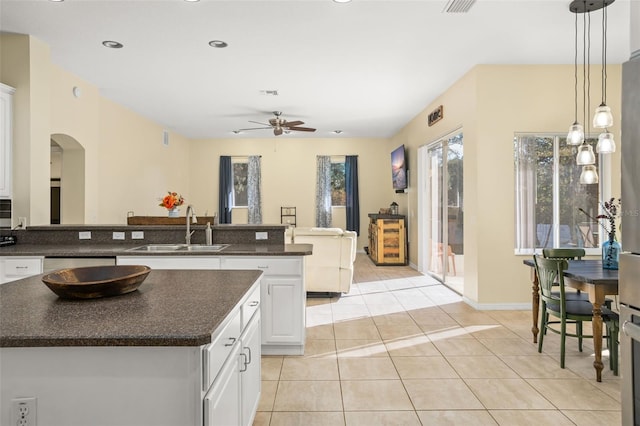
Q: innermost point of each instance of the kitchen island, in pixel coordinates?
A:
(169, 353)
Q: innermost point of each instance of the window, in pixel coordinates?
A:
(338, 192)
(549, 195)
(240, 179)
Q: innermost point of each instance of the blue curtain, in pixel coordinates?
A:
(225, 201)
(351, 189)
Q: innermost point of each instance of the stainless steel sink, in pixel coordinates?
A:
(203, 247)
(158, 247)
(180, 247)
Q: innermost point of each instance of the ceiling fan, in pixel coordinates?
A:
(280, 125)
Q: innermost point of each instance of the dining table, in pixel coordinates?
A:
(588, 276)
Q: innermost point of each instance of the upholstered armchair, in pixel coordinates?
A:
(330, 267)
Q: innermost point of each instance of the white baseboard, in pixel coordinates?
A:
(497, 306)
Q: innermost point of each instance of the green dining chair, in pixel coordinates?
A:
(550, 272)
(572, 254)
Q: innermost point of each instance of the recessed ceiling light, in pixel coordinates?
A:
(341, 1)
(112, 44)
(218, 44)
(192, 1)
(57, 1)
(337, 132)
(237, 132)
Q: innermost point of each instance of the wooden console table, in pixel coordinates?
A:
(387, 239)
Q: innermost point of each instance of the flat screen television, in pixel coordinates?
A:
(399, 169)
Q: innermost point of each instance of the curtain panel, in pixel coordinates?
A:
(254, 184)
(225, 197)
(351, 189)
(323, 191)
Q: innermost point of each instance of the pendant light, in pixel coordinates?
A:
(585, 154)
(606, 144)
(576, 131)
(589, 175)
(603, 117)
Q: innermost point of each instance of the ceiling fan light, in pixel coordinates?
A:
(576, 134)
(606, 144)
(603, 117)
(585, 155)
(589, 175)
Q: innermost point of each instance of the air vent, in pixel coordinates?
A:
(269, 92)
(458, 6)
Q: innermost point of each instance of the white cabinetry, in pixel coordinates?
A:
(282, 292)
(250, 380)
(6, 139)
(283, 301)
(14, 268)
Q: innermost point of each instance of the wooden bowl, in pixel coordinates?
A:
(96, 281)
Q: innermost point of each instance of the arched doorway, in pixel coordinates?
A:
(67, 180)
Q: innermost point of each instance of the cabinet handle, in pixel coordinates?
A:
(244, 363)
(22, 267)
(232, 340)
(249, 349)
(269, 289)
(263, 267)
(254, 303)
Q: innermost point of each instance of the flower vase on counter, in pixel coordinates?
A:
(174, 212)
(611, 254)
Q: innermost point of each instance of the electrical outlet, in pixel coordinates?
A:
(262, 235)
(84, 235)
(137, 235)
(22, 222)
(118, 235)
(23, 411)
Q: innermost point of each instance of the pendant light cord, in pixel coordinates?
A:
(575, 73)
(584, 70)
(588, 72)
(604, 53)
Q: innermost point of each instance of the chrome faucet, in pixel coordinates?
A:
(190, 215)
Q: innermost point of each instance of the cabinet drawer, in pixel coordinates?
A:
(250, 306)
(22, 267)
(215, 353)
(270, 266)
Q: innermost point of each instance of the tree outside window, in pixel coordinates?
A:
(338, 190)
(240, 173)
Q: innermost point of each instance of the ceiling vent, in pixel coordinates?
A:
(269, 92)
(458, 6)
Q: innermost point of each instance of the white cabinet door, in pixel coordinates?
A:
(172, 262)
(282, 310)
(250, 377)
(6, 113)
(222, 402)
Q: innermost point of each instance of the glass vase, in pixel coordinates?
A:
(611, 254)
(174, 212)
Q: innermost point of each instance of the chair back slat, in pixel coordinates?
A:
(563, 253)
(550, 272)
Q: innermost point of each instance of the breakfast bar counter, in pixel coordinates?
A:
(171, 308)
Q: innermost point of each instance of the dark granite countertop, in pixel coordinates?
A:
(113, 250)
(170, 308)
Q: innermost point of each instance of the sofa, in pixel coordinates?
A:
(330, 268)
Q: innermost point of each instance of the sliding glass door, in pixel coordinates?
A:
(443, 210)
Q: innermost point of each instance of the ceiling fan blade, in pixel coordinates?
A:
(292, 123)
(273, 121)
(302, 129)
(255, 128)
(257, 122)
(277, 131)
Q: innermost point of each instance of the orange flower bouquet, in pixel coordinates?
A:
(171, 200)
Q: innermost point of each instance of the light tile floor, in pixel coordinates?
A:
(402, 349)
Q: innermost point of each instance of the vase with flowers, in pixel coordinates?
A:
(171, 202)
(611, 248)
